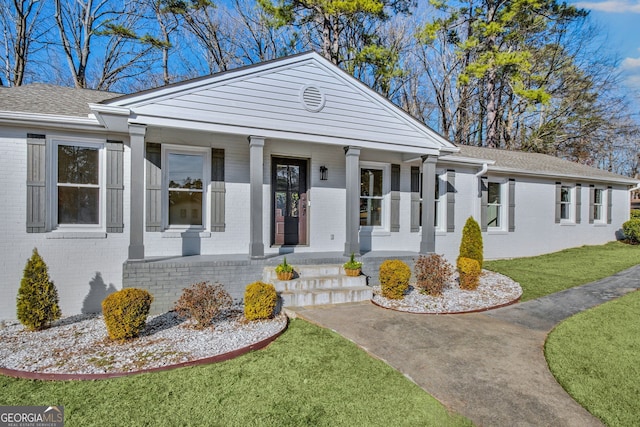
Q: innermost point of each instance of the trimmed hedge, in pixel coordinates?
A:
(394, 278)
(260, 301)
(125, 312)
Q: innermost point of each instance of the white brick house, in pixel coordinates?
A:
(291, 155)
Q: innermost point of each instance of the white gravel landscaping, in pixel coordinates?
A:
(80, 344)
(494, 290)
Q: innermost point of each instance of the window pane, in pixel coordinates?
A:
(493, 216)
(597, 196)
(597, 212)
(494, 192)
(437, 187)
(78, 205)
(565, 194)
(371, 182)
(564, 211)
(77, 165)
(185, 171)
(371, 212)
(185, 208)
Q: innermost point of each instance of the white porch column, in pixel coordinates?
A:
(256, 181)
(352, 242)
(136, 219)
(428, 241)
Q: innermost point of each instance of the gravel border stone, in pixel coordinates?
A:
(495, 290)
(79, 345)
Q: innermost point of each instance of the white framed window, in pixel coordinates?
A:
(185, 181)
(497, 205)
(77, 184)
(374, 194)
(598, 204)
(566, 203)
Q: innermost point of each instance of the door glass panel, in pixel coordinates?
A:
(294, 201)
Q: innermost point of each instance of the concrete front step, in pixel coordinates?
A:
(320, 282)
(303, 271)
(326, 296)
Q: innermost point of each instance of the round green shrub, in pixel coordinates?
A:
(471, 243)
(37, 302)
(260, 301)
(631, 230)
(394, 278)
(125, 312)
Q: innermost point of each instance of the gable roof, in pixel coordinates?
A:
(41, 98)
(521, 162)
(271, 99)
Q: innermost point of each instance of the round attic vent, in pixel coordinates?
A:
(312, 98)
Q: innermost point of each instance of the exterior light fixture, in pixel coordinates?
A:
(323, 173)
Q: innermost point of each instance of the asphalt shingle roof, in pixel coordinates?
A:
(535, 163)
(51, 99)
(67, 101)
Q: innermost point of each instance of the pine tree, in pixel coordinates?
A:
(37, 297)
(471, 243)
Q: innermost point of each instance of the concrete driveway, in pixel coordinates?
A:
(489, 366)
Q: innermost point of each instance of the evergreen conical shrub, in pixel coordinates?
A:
(37, 297)
(471, 243)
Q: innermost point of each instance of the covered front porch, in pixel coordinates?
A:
(166, 277)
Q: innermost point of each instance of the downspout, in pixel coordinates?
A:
(484, 169)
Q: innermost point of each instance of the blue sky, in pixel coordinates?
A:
(621, 20)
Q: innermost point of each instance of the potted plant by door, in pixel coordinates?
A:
(284, 271)
(352, 267)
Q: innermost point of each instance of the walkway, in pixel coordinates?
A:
(490, 366)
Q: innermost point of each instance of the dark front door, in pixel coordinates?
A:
(289, 184)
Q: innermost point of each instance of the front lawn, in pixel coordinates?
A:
(550, 273)
(308, 376)
(595, 356)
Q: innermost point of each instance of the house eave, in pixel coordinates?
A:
(50, 120)
(573, 177)
(163, 122)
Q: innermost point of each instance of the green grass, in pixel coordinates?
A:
(546, 274)
(595, 356)
(308, 377)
